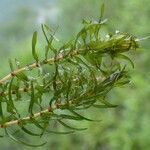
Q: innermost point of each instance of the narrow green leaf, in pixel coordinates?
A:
(34, 41)
(102, 12)
(104, 106)
(11, 65)
(37, 124)
(82, 117)
(48, 40)
(126, 58)
(32, 101)
(70, 117)
(60, 132)
(1, 110)
(22, 142)
(43, 30)
(107, 103)
(10, 103)
(22, 76)
(87, 102)
(82, 34)
(68, 126)
(29, 132)
(48, 46)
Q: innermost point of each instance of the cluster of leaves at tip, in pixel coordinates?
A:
(75, 76)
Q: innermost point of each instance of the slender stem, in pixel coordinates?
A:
(35, 115)
(17, 121)
(56, 106)
(35, 65)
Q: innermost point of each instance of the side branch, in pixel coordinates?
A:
(36, 65)
(35, 115)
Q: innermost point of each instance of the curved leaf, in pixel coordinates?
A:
(126, 58)
(68, 126)
(22, 142)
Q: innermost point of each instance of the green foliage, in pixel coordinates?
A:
(85, 70)
(34, 41)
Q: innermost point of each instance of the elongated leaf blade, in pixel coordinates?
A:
(22, 142)
(34, 41)
(82, 117)
(104, 106)
(68, 126)
(102, 12)
(10, 103)
(29, 132)
(125, 58)
(11, 65)
(32, 99)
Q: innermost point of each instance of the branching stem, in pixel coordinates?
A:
(35, 115)
(35, 65)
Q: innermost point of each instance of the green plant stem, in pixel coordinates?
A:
(35, 65)
(35, 115)
(57, 105)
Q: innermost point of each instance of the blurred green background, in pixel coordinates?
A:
(126, 127)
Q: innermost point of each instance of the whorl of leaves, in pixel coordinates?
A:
(77, 75)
